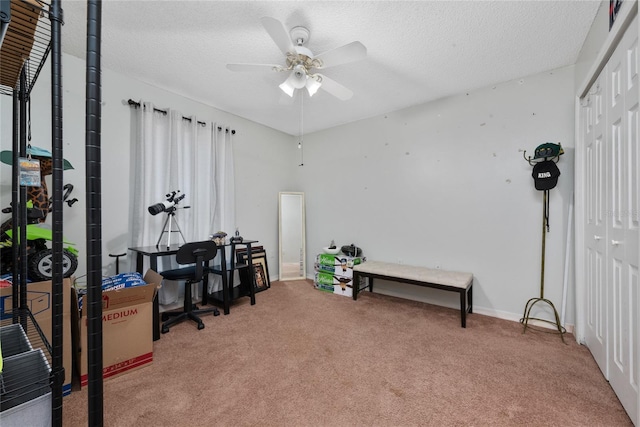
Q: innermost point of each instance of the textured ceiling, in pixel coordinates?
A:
(416, 51)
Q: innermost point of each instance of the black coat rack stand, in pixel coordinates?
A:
(526, 317)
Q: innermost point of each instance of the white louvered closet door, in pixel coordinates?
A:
(610, 128)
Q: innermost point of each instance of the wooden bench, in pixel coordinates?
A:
(419, 276)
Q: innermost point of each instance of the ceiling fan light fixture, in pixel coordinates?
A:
(292, 83)
(299, 76)
(287, 88)
(313, 85)
(301, 63)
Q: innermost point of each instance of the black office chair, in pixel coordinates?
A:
(199, 254)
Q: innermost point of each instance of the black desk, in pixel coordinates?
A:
(153, 252)
(229, 292)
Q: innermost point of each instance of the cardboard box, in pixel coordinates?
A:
(341, 260)
(341, 285)
(39, 301)
(322, 287)
(338, 270)
(127, 329)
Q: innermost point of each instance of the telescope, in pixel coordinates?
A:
(172, 199)
(168, 206)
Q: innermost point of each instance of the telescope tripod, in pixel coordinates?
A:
(169, 221)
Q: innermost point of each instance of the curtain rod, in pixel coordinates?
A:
(135, 104)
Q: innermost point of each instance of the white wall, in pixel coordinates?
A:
(441, 183)
(593, 43)
(445, 183)
(263, 165)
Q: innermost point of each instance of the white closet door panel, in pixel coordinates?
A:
(596, 331)
(623, 229)
(632, 246)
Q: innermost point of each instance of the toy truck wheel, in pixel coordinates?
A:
(41, 264)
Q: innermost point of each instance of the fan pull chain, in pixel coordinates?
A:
(300, 147)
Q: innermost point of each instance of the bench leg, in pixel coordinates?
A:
(356, 285)
(471, 298)
(463, 307)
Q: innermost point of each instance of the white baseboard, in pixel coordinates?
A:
(516, 318)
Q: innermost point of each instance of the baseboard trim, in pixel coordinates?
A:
(516, 318)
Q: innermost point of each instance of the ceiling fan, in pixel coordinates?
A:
(302, 64)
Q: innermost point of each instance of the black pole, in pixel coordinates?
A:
(544, 240)
(15, 203)
(22, 204)
(57, 277)
(94, 219)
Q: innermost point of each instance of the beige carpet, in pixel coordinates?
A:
(301, 357)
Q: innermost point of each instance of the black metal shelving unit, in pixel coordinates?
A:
(32, 36)
(27, 43)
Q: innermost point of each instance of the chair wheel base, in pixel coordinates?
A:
(165, 329)
(200, 326)
(216, 312)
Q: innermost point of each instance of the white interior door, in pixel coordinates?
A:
(623, 222)
(594, 128)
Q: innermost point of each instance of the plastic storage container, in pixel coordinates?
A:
(14, 340)
(25, 390)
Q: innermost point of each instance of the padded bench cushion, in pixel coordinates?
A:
(420, 274)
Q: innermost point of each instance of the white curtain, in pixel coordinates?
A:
(224, 217)
(171, 153)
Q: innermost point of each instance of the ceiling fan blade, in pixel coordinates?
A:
(254, 67)
(351, 52)
(279, 34)
(334, 88)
